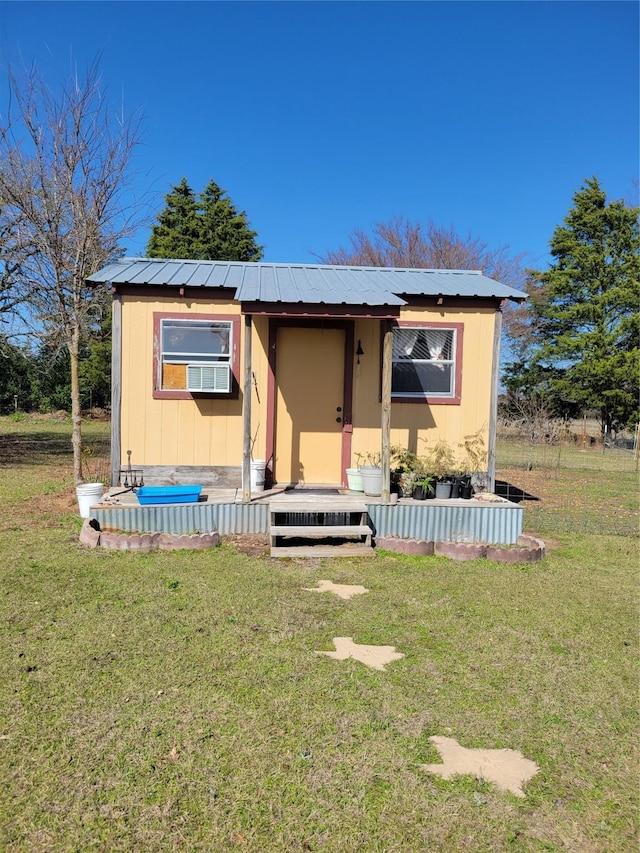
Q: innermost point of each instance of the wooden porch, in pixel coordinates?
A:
(318, 522)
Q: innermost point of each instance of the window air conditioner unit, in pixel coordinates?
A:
(209, 378)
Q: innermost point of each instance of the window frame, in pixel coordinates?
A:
(435, 399)
(160, 393)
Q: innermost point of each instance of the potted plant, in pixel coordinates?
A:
(407, 467)
(423, 488)
(441, 462)
(474, 464)
(371, 473)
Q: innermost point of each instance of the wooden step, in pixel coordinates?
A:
(313, 539)
(351, 549)
(315, 505)
(321, 530)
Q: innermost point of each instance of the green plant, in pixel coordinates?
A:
(403, 460)
(95, 462)
(407, 468)
(372, 459)
(426, 483)
(441, 460)
(475, 453)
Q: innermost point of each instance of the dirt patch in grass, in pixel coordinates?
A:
(43, 510)
(256, 544)
(64, 501)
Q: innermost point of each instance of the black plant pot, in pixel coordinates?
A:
(459, 486)
(422, 493)
(466, 491)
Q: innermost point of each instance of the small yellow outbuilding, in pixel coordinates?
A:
(309, 367)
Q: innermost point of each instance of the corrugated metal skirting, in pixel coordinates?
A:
(186, 518)
(498, 524)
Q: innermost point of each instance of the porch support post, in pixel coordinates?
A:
(387, 355)
(246, 413)
(493, 411)
(116, 388)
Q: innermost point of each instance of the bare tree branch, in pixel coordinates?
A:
(65, 174)
(400, 243)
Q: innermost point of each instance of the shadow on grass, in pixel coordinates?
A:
(36, 448)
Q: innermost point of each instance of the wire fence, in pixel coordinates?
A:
(575, 484)
(565, 484)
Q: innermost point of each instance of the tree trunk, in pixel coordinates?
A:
(76, 407)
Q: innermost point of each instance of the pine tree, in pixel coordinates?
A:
(585, 318)
(207, 227)
(178, 230)
(225, 232)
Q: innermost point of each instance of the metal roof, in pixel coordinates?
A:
(304, 283)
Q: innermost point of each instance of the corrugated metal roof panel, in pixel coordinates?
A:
(185, 273)
(152, 273)
(306, 283)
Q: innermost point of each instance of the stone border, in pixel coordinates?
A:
(419, 547)
(93, 536)
(527, 550)
(461, 551)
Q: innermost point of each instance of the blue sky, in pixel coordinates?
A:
(322, 117)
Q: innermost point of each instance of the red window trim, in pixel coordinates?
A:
(162, 394)
(437, 401)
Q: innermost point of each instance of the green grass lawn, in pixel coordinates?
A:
(173, 700)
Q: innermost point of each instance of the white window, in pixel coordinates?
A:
(195, 355)
(424, 362)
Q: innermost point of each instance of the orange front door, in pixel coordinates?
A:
(309, 405)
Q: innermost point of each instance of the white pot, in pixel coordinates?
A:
(354, 480)
(372, 480)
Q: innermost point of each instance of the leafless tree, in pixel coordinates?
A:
(399, 243)
(65, 207)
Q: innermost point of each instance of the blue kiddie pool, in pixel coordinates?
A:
(168, 494)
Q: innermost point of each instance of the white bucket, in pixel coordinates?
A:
(88, 494)
(354, 480)
(371, 480)
(257, 475)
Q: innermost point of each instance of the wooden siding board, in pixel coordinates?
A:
(217, 440)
